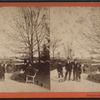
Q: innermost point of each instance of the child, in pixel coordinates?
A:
(60, 72)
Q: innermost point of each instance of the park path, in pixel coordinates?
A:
(12, 86)
(73, 86)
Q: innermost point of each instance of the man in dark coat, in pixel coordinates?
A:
(74, 69)
(60, 71)
(78, 72)
(0, 71)
(68, 68)
(3, 71)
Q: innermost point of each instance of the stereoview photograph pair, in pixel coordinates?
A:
(49, 49)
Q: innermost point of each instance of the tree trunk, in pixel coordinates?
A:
(53, 54)
(31, 55)
(38, 53)
(38, 44)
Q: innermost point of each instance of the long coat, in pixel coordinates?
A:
(68, 66)
(75, 66)
(79, 69)
(59, 68)
(2, 71)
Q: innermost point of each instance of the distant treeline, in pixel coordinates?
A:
(54, 62)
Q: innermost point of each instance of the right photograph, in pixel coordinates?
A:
(75, 49)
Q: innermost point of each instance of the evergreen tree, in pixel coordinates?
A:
(45, 53)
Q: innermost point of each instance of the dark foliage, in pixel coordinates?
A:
(45, 54)
(94, 77)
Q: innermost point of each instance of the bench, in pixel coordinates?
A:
(30, 76)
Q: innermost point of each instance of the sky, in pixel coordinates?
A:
(6, 15)
(68, 23)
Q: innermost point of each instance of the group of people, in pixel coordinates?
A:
(70, 67)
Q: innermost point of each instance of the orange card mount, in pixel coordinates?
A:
(51, 4)
(50, 94)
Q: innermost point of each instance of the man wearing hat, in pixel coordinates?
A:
(78, 72)
(68, 68)
(75, 64)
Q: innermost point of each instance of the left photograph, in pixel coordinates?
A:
(24, 49)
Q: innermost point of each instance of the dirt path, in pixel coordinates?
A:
(12, 86)
(73, 86)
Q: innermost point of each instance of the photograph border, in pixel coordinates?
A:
(51, 94)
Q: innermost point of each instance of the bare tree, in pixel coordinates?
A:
(68, 50)
(54, 44)
(45, 53)
(92, 34)
(65, 50)
(29, 31)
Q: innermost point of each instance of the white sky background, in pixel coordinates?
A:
(6, 14)
(68, 23)
(6, 21)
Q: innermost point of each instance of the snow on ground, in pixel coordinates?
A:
(73, 86)
(12, 86)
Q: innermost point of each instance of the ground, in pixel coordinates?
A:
(12, 86)
(73, 86)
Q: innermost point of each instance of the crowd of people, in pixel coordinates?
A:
(71, 67)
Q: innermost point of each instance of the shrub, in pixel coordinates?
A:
(94, 77)
(18, 77)
(42, 78)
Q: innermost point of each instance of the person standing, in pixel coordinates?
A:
(60, 72)
(74, 69)
(78, 72)
(0, 71)
(68, 68)
(3, 71)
